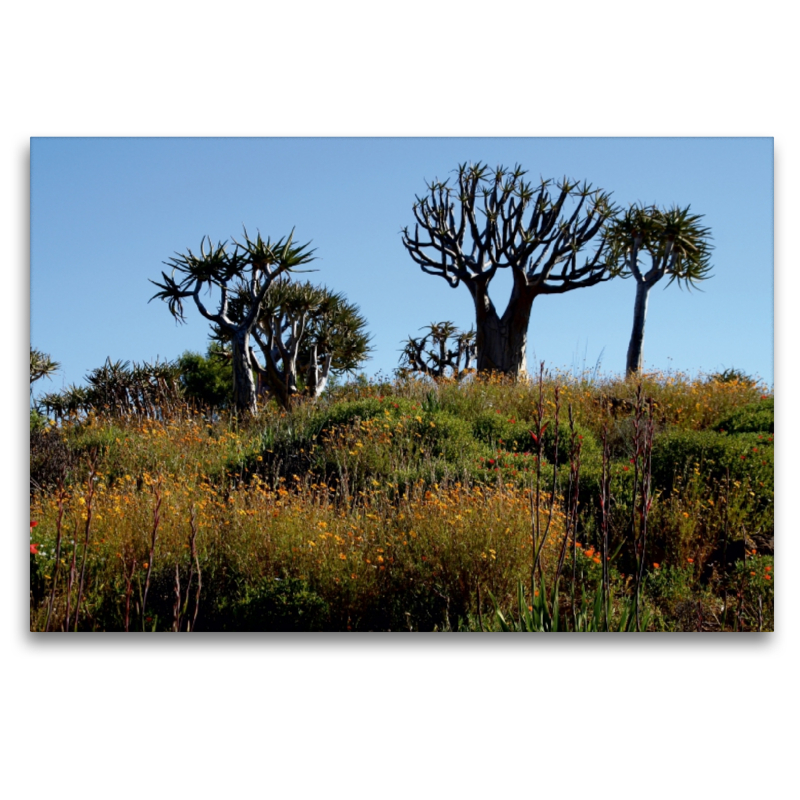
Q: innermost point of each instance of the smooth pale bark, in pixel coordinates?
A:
(636, 344)
(244, 387)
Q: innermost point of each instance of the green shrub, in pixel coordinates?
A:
(514, 435)
(753, 418)
(282, 604)
(206, 380)
(344, 413)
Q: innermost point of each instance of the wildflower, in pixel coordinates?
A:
(768, 568)
(690, 560)
(34, 524)
(767, 576)
(656, 565)
(753, 574)
(35, 549)
(342, 556)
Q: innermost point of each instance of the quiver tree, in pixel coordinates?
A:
(144, 390)
(677, 245)
(304, 333)
(42, 366)
(246, 271)
(494, 219)
(443, 352)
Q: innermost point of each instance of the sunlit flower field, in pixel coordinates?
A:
(559, 503)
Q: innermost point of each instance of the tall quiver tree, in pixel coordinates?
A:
(248, 270)
(677, 245)
(494, 219)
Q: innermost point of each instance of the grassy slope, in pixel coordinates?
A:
(402, 505)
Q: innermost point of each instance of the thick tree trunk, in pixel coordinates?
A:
(502, 341)
(244, 387)
(636, 345)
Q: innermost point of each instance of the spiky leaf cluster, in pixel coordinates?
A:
(677, 243)
(42, 366)
(251, 265)
(121, 388)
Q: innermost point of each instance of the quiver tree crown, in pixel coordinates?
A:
(487, 220)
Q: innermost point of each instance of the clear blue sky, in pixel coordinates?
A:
(105, 214)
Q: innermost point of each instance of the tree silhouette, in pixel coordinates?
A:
(247, 270)
(678, 246)
(444, 351)
(494, 219)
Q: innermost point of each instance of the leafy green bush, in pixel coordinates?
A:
(206, 380)
(745, 455)
(38, 421)
(516, 436)
(344, 413)
(753, 418)
(282, 604)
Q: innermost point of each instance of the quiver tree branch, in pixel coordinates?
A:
(495, 219)
(305, 334)
(443, 352)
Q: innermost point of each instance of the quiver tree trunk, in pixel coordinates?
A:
(502, 341)
(636, 345)
(244, 386)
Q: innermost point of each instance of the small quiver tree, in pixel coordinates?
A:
(247, 270)
(494, 219)
(305, 333)
(677, 245)
(443, 352)
(42, 366)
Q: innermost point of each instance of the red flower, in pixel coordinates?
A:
(34, 549)
(34, 524)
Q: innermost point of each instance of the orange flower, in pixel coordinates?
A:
(690, 560)
(753, 574)
(767, 576)
(656, 565)
(767, 568)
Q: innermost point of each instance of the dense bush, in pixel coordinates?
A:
(753, 418)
